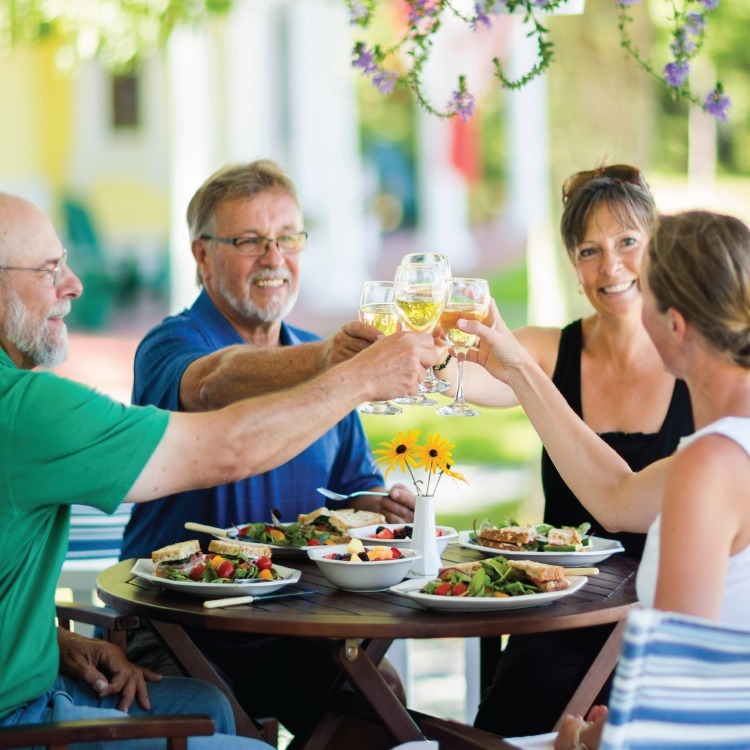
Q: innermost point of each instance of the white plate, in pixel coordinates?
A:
(411, 589)
(600, 549)
(366, 533)
(144, 568)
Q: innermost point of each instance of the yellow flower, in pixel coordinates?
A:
(398, 452)
(435, 455)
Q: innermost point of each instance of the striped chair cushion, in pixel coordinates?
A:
(681, 682)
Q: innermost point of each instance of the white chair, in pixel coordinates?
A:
(681, 682)
(94, 544)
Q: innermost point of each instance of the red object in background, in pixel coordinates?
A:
(465, 151)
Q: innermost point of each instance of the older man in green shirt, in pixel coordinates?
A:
(62, 443)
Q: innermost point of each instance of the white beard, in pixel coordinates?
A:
(274, 311)
(46, 347)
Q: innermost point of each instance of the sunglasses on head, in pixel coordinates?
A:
(618, 172)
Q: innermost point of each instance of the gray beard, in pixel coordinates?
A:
(46, 348)
(271, 313)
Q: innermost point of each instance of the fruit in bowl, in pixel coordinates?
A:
(355, 567)
(399, 535)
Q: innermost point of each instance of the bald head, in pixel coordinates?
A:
(23, 229)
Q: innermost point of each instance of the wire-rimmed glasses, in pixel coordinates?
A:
(253, 246)
(54, 271)
(468, 299)
(377, 307)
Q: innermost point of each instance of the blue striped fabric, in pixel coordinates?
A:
(681, 682)
(94, 534)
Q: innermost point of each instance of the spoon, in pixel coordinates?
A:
(331, 495)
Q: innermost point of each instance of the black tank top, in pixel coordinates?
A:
(562, 507)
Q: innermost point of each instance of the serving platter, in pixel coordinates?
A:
(412, 590)
(599, 549)
(367, 534)
(145, 568)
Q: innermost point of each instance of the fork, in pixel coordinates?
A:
(331, 495)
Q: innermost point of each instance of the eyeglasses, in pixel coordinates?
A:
(258, 246)
(55, 271)
(618, 172)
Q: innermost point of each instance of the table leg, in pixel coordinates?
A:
(598, 673)
(192, 661)
(365, 678)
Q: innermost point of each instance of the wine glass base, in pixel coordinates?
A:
(437, 386)
(385, 408)
(457, 410)
(420, 400)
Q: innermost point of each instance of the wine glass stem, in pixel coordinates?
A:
(460, 356)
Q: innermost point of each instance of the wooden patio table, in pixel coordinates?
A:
(365, 624)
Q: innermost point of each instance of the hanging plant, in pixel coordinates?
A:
(402, 63)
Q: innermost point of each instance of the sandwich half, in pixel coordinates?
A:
(177, 558)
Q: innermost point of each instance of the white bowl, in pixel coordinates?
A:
(367, 535)
(377, 575)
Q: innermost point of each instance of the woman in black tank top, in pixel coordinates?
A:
(611, 376)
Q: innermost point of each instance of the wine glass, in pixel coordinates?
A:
(420, 291)
(377, 307)
(468, 299)
(431, 383)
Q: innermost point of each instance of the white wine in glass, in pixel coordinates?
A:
(431, 383)
(420, 296)
(377, 308)
(468, 299)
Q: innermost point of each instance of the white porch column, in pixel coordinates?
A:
(323, 153)
(193, 112)
(529, 184)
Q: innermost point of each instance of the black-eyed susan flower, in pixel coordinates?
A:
(434, 457)
(398, 452)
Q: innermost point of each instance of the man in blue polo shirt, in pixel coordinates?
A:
(247, 234)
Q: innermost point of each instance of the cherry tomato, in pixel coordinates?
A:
(225, 570)
(263, 563)
(313, 542)
(196, 573)
(459, 588)
(443, 589)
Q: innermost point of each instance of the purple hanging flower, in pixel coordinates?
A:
(461, 104)
(421, 8)
(675, 73)
(480, 17)
(695, 23)
(384, 81)
(682, 45)
(709, 4)
(364, 58)
(358, 12)
(626, 3)
(717, 103)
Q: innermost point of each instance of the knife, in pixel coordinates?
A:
(232, 600)
(192, 526)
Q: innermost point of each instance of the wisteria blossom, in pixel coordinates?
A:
(385, 81)
(717, 103)
(461, 103)
(626, 3)
(709, 4)
(695, 23)
(364, 58)
(676, 73)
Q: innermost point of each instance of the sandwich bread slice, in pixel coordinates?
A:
(508, 537)
(338, 522)
(238, 551)
(544, 577)
(567, 536)
(179, 557)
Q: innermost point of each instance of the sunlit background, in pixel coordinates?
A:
(113, 155)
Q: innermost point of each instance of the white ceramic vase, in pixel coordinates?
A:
(424, 538)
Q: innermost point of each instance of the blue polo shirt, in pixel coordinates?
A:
(340, 459)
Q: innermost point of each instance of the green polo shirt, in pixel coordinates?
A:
(60, 443)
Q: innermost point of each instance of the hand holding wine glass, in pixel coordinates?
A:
(468, 299)
(377, 307)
